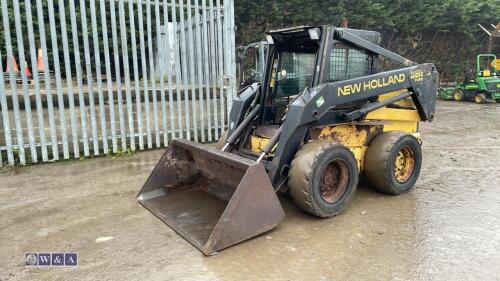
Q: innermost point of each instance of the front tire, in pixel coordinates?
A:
(393, 162)
(323, 178)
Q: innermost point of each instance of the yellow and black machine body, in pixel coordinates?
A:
(325, 114)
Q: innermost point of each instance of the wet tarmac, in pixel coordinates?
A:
(447, 228)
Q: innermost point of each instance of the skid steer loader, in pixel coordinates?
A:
(324, 115)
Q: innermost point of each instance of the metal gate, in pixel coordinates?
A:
(94, 77)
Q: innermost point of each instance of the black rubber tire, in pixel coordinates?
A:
(380, 158)
(480, 98)
(306, 170)
(458, 95)
(498, 100)
(222, 141)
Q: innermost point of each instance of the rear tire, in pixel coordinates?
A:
(480, 98)
(393, 162)
(458, 95)
(323, 178)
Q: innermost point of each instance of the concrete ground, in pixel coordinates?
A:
(447, 228)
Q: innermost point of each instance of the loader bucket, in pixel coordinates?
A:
(211, 198)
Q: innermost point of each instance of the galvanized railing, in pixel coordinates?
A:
(98, 77)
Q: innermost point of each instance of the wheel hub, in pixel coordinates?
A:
(334, 181)
(478, 99)
(404, 165)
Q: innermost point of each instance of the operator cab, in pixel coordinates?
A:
(304, 57)
(486, 65)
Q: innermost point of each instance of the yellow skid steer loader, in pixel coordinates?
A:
(324, 114)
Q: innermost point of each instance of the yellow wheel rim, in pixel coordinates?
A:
(458, 96)
(478, 99)
(404, 165)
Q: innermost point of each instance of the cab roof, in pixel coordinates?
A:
(290, 34)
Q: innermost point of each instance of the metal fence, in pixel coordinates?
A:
(83, 78)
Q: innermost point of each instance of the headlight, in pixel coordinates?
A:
(314, 33)
(269, 39)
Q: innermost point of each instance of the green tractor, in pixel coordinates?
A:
(479, 85)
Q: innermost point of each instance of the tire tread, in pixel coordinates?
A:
(301, 171)
(377, 158)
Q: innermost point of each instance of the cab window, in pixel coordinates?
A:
(295, 73)
(347, 63)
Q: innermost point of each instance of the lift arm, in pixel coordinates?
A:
(420, 80)
(345, 35)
